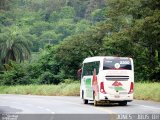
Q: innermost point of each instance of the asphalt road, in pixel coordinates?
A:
(29, 104)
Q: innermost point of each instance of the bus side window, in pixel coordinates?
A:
(88, 68)
(97, 65)
(85, 69)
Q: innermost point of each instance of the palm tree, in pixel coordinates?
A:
(14, 46)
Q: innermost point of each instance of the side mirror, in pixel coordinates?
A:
(79, 72)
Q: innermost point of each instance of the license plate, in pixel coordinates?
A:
(117, 96)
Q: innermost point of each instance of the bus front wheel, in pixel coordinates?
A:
(84, 100)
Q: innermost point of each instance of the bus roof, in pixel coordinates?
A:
(98, 58)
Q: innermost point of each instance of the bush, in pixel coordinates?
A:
(15, 76)
(48, 78)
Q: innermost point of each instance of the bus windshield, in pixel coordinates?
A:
(117, 64)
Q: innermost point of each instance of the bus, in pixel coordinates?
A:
(107, 79)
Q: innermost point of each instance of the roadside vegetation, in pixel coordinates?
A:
(43, 42)
(63, 89)
(143, 91)
(147, 91)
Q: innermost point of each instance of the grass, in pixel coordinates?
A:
(71, 89)
(147, 91)
(142, 91)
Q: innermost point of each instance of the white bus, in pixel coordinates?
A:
(107, 79)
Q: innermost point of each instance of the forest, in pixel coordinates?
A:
(45, 41)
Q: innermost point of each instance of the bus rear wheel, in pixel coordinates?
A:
(85, 101)
(123, 103)
(95, 103)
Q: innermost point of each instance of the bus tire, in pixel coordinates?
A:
(95, 103)
(123, 103)
(85, 101)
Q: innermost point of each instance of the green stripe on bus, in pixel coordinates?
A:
(88, 82)
(89, 92)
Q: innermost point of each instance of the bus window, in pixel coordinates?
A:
(88, 68)
(113, 64)
(97, 63)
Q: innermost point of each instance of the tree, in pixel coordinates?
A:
(136, 23)
(5, 4)
(66, 27)
(79, 6)
(93, 5)
(64, 13)
(40, 26)
(70, 53)
(13, 46)
(82, 25)
(50, 37)
(146, 32)
(98, 15)
(67, 13)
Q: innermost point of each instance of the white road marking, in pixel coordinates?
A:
(147, 106)
(48, 110)
(97, 108)
(52, 112)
